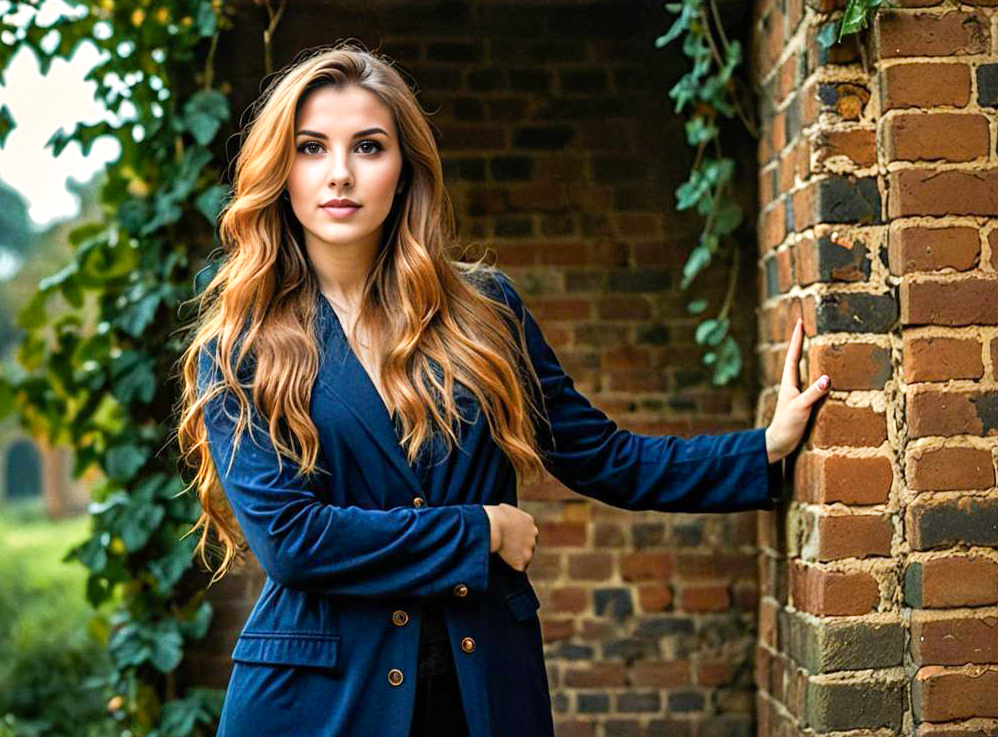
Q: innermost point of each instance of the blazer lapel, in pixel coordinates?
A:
(347, 381)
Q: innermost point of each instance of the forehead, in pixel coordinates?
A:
(343, 109)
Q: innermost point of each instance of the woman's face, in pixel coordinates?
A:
(340, 155)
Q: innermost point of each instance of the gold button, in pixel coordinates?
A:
(460, 590)
(468, 645)
(395, 677)
(400, 618)
(419, 502)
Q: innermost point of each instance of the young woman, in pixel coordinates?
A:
(359, 408)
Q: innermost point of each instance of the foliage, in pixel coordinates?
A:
(710, 88)
(96, 384)
(52, 671)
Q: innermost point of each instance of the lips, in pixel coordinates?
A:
(341, 212)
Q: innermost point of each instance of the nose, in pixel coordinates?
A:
(340, 174)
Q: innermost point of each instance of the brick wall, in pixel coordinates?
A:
(879, 580)
(562, 152)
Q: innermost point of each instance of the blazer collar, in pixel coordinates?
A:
(348, 381)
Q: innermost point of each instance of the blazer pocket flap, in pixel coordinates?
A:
(318, 651)
(523, 603)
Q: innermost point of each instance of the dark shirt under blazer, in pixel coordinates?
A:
(331, 646)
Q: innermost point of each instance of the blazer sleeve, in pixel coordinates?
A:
(304, 543)
(587, 452)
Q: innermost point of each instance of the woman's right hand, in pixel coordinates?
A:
(514, 534)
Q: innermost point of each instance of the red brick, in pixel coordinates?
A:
(933, 191)
(646, 567)
(954, 137)
(851, 366)
(925, 85)
(960, 301)
(936, 358)
(934, 412)
(719, 566)
(655, 598)
(596, 675)
(853, 536)
(942, 694)
(920, 248)
(557, 629)
(857, 145)
(838, 424)
(942, 469)
(955, 581)
(834, 478)
(558, 534)
(569, 600)
(924, 34)
(955, 640)
(590, 566)
(705, 599)
(832, 593)
(660, 674)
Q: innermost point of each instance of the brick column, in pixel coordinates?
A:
(879, 578)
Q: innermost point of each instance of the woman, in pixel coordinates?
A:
(360, 408)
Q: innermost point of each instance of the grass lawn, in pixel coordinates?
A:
(36, 544)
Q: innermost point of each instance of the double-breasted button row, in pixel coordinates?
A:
(460, 590)
(395, 677)
(400, 618)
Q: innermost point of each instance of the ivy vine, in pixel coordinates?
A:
(99, 335)
(710, 87)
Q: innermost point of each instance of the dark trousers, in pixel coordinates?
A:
(438, 711)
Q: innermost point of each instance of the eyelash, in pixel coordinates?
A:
(378, 146)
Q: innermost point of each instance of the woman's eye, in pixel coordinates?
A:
(304, 148)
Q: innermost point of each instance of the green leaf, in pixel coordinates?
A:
(828, 35)
(204, 114)
(169, 569)
(211, 201)
(712, 331)
(139, 523)
(697, 306)
(123, 461)
(167, 647)
(32, 316)
(729, 362)
(698, 260)
(134, 377)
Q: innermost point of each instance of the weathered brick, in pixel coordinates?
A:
(952, 468)
(825, 646)
(838, 424)
(827, 593)
(924, 85)
(941, 523)
(954, 641)
(920, 248)
(954, 137)
(823, 479)
(861, 703)
(660, 674)
(951, 581)
(938, 358)
(851, 366)
(941, 192)
(933, 412)
(857, 312)
(964, 301)
(857, 146)
(833, 537)
(827, 259)
(923, 34)
(941, 694)
(705, 599)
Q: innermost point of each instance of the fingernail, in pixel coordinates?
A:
(823, 382)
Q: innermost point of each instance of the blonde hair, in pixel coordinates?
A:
(263, 300)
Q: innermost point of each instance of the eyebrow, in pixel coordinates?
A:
(358, 134)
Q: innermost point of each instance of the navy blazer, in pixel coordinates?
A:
(330, 647)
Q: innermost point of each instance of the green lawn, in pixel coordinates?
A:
(38, 544)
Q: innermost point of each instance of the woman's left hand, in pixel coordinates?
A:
(793, 407)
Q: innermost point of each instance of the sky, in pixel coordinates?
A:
(40, 106)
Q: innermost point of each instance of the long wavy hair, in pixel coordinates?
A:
(419, 307)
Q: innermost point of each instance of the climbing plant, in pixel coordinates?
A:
(100, 336)
(710, 86)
